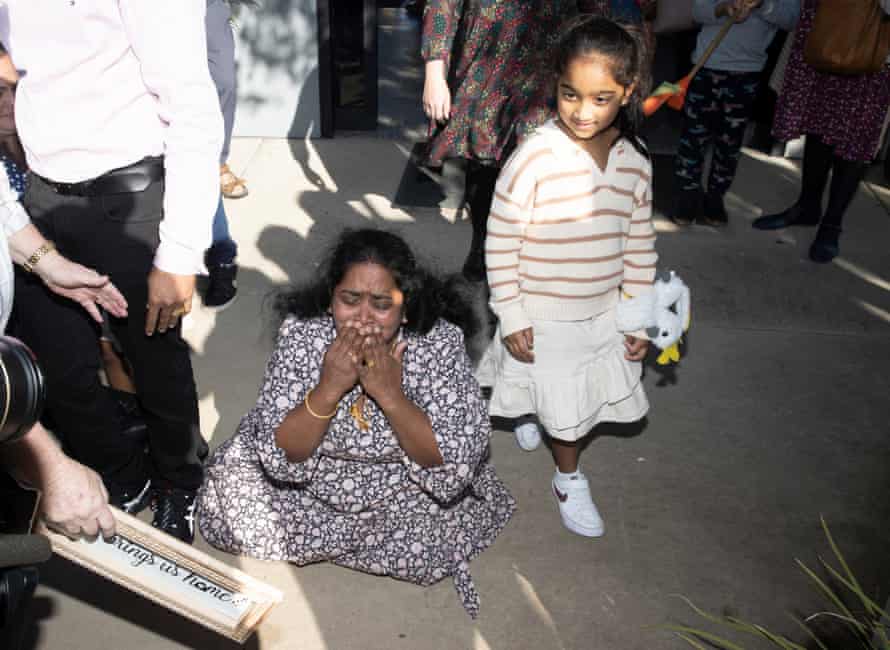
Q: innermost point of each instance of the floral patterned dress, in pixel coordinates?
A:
(847, 111)
(497, 53)
(359, 501)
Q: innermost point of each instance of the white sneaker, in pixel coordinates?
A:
(579, 514)
(528, 436)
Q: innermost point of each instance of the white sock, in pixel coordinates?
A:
(567, 477)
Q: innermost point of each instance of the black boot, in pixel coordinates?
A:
(714, 212)
(174, 513)
(844, 183)
(480, 181)
(222, 289)
(686, 208)
(807, 211)
(826, 246)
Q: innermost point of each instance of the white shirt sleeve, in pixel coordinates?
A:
(170, 41)
(12, 214)
(4, 25)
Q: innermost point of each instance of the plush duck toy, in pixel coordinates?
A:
(664, 313)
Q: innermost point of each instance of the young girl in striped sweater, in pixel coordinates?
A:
(570, 229)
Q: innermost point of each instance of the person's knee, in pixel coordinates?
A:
(74, 385)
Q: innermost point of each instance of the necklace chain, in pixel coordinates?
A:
(357, 411)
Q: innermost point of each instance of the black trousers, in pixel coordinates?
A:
(716, 109)
(116, 234)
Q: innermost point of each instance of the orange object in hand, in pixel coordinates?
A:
(664, 93)
(674, 94)
(676, 100)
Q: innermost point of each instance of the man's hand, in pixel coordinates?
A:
(169, 298)
(82, 285)
(74, 501)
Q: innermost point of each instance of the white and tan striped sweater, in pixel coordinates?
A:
(564, 237)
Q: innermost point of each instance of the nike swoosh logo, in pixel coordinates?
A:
(562, 496)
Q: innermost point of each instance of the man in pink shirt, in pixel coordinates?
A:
(122, 131)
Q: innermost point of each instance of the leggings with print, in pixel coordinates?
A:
(717, 107)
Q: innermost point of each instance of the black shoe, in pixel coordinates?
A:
(826, 246)
(175, 513)
(714, 213)
(222, 289)
(796, 215)
(686, 208)
(130, 499)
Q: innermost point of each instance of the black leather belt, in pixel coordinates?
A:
(124, 180)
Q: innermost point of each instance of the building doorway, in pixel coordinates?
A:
(348, 65)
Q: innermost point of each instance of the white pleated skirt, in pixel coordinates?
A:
(579, 377)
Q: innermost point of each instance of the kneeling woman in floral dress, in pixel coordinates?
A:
(368, 445)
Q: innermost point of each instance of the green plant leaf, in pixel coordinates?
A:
(781, 641)
(840, 558)
(873, 609)
(725, 644)
(841, 617)
(719, 620)
(691, 641)
(745, 627)
(877, 612)
(831, 596)
(869, 627)
(852, 622)
(806, 628)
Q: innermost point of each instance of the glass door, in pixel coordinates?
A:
(348, 51)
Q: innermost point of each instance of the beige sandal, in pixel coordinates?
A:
(230, 185)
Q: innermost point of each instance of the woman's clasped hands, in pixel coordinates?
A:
(360, 355)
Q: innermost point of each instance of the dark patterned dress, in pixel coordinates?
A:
(846, 111)
(499, 76)
(359, 501)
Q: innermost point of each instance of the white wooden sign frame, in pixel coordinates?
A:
(171, 573)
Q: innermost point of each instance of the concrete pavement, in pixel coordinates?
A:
(778, 414)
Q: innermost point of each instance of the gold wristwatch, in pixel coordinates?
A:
(37, 255)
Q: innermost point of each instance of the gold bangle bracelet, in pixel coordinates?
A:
(37, 255)
(313, 413)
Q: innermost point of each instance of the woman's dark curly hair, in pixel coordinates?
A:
(426, 297)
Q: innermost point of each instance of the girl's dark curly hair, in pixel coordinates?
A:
(624, 46)
(426, 297)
